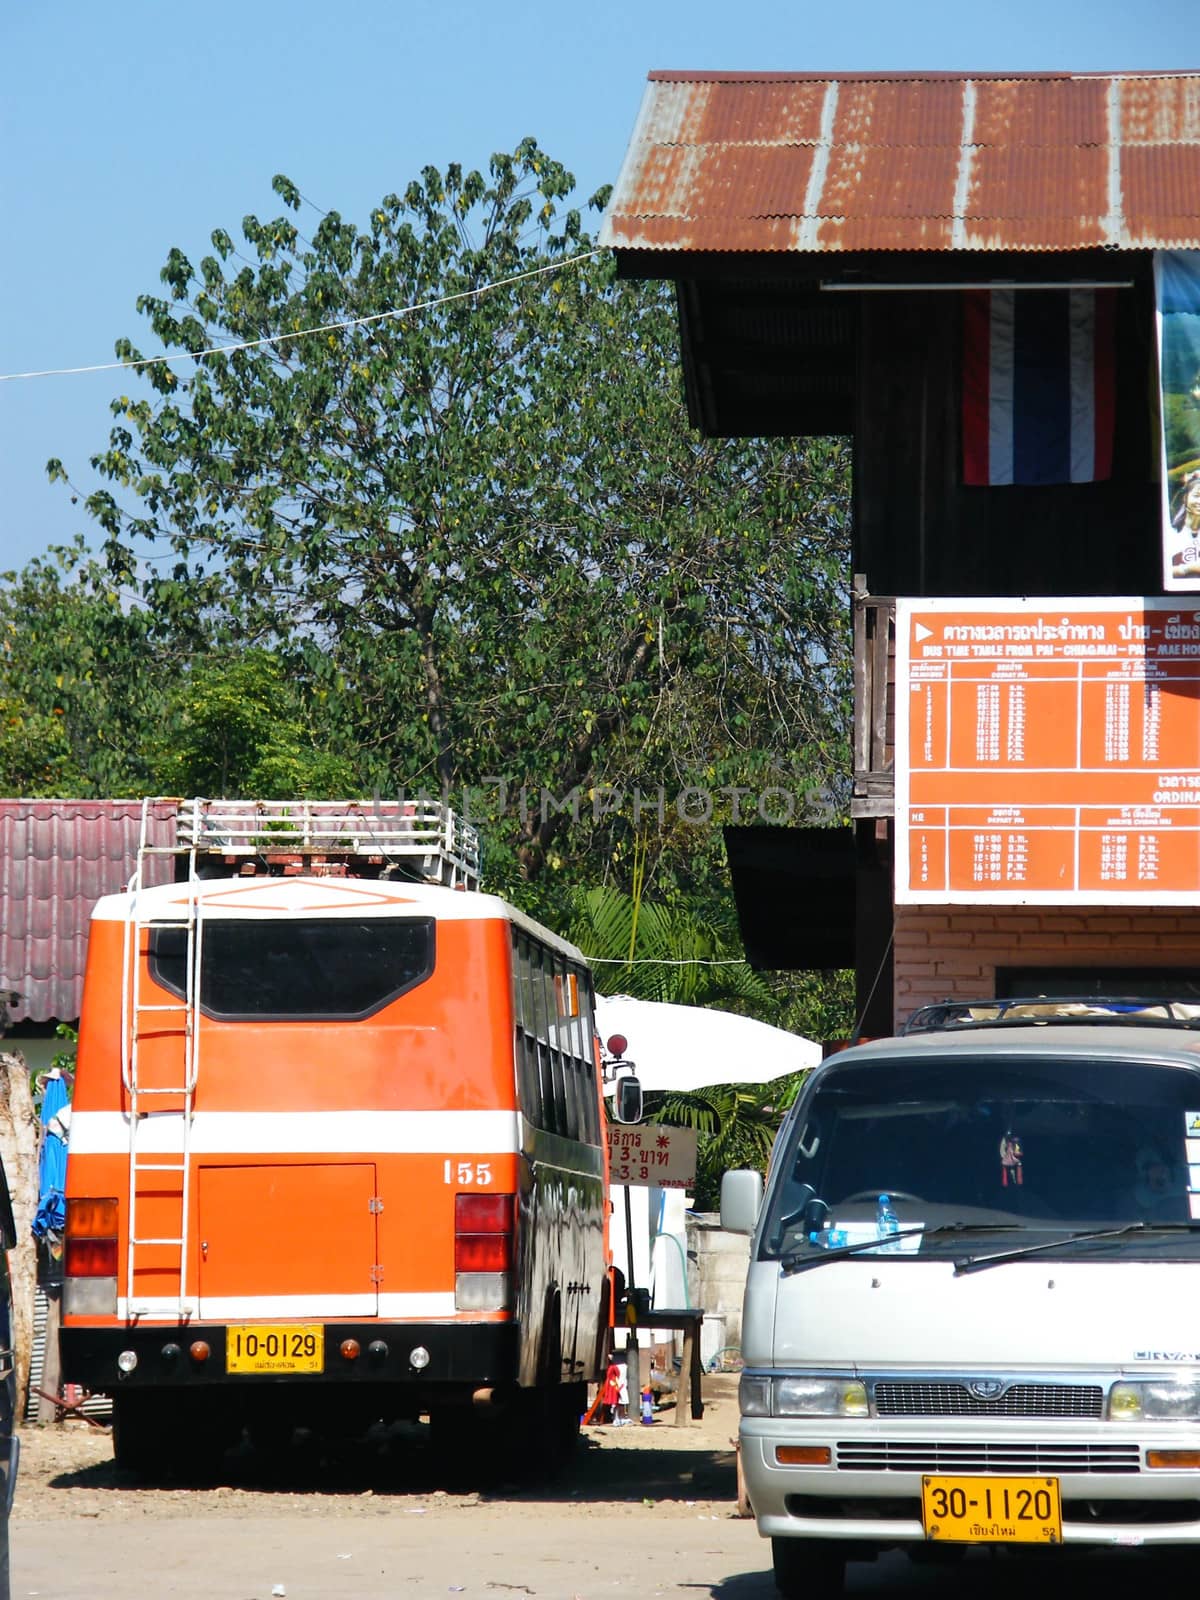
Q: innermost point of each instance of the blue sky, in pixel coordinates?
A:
(143, 124)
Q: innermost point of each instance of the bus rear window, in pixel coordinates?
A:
(298, 970)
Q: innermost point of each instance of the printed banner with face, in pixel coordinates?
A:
(1177, 288)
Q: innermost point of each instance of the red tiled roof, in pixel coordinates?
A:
(57, 858)
(911, 161)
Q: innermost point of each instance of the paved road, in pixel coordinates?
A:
(488, 1554)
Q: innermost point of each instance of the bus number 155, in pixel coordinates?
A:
(467, 1173)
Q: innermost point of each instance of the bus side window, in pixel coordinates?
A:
(567, 1071)
(542, 1004)
(587, 1024)
(554, 1025)
(528, 1085)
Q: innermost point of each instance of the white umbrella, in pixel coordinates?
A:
(689, 1047)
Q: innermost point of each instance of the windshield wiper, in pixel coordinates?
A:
(978, 1263)
(795, 1262)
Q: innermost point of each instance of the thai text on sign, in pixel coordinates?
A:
(652, 1153)
(1047, 751)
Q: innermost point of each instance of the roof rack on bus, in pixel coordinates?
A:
(417, 839)
(1145, 1010)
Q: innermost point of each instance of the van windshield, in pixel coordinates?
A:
(1011, 1143)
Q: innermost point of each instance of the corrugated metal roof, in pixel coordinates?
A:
(940, 161)
(57, 858)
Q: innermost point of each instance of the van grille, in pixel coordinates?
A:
(894, 1399)
(1012, 1458)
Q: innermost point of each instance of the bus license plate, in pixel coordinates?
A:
(992, 1510)
(268, 1348)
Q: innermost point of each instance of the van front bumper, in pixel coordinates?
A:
(870, 1493)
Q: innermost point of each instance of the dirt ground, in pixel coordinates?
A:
(67, 1470)
(642, 1513)
(641, 1510)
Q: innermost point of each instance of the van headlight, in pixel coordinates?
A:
(802, 1397)
(1161, 1400)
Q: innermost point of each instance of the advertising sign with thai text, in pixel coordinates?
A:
(652, 1153)
(1177, 291)
(1047, 751)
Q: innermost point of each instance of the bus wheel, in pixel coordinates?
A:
(140, 1434)
(474, 1451)
(572, 1403)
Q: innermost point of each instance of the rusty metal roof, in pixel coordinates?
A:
(57, 857)
(725, 161)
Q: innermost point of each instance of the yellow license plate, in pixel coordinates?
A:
(992, 1510)
(271, 1348)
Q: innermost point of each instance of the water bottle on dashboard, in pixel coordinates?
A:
(886, 1221)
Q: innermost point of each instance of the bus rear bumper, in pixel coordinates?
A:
(434, 1358)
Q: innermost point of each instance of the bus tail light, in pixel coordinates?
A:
(90, 1257)
(483, 1252)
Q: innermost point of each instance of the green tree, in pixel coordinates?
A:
(668, 953)
(737, 1125)
(81, 684)
(35, 755)
(482, 531)
(652, 951)
(236, 728)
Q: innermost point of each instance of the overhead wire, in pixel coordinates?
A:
(304, 333)
(655, 961)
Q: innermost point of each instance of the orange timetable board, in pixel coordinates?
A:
(1047, 752)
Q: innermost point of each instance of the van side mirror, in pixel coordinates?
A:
(627, 1099)
(741, 1199)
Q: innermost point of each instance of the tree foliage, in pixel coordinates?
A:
(737, 1124)
(80, 680)
(680, 954)
(235, 727)
(426, 513)
(481, 532)
(653, 951)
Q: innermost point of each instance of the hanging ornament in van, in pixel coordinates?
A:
(1011, 1170)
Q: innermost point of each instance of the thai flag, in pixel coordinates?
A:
(1038, 385)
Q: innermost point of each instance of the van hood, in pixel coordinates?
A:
(917, 1314)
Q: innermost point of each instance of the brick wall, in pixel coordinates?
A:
(952, 952)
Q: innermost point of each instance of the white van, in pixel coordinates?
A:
(1018, 1362)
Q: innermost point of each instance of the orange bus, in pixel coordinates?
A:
(337, 1148)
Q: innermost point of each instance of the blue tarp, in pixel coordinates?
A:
(52, 1160)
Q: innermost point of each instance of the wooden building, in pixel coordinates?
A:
(828, 236)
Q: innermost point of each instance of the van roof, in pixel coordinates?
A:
(269, 898)
(1109, 1040)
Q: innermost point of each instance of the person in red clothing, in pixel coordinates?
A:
(610, 1393)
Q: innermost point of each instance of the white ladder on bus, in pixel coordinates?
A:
(138, 1017)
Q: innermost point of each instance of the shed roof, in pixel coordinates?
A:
(57, 858)
(783, 162)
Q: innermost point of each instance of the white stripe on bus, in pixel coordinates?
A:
(291, 1307)
(324, 1133)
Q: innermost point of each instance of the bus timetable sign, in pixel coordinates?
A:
(1047, 751)
(652, 1153)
